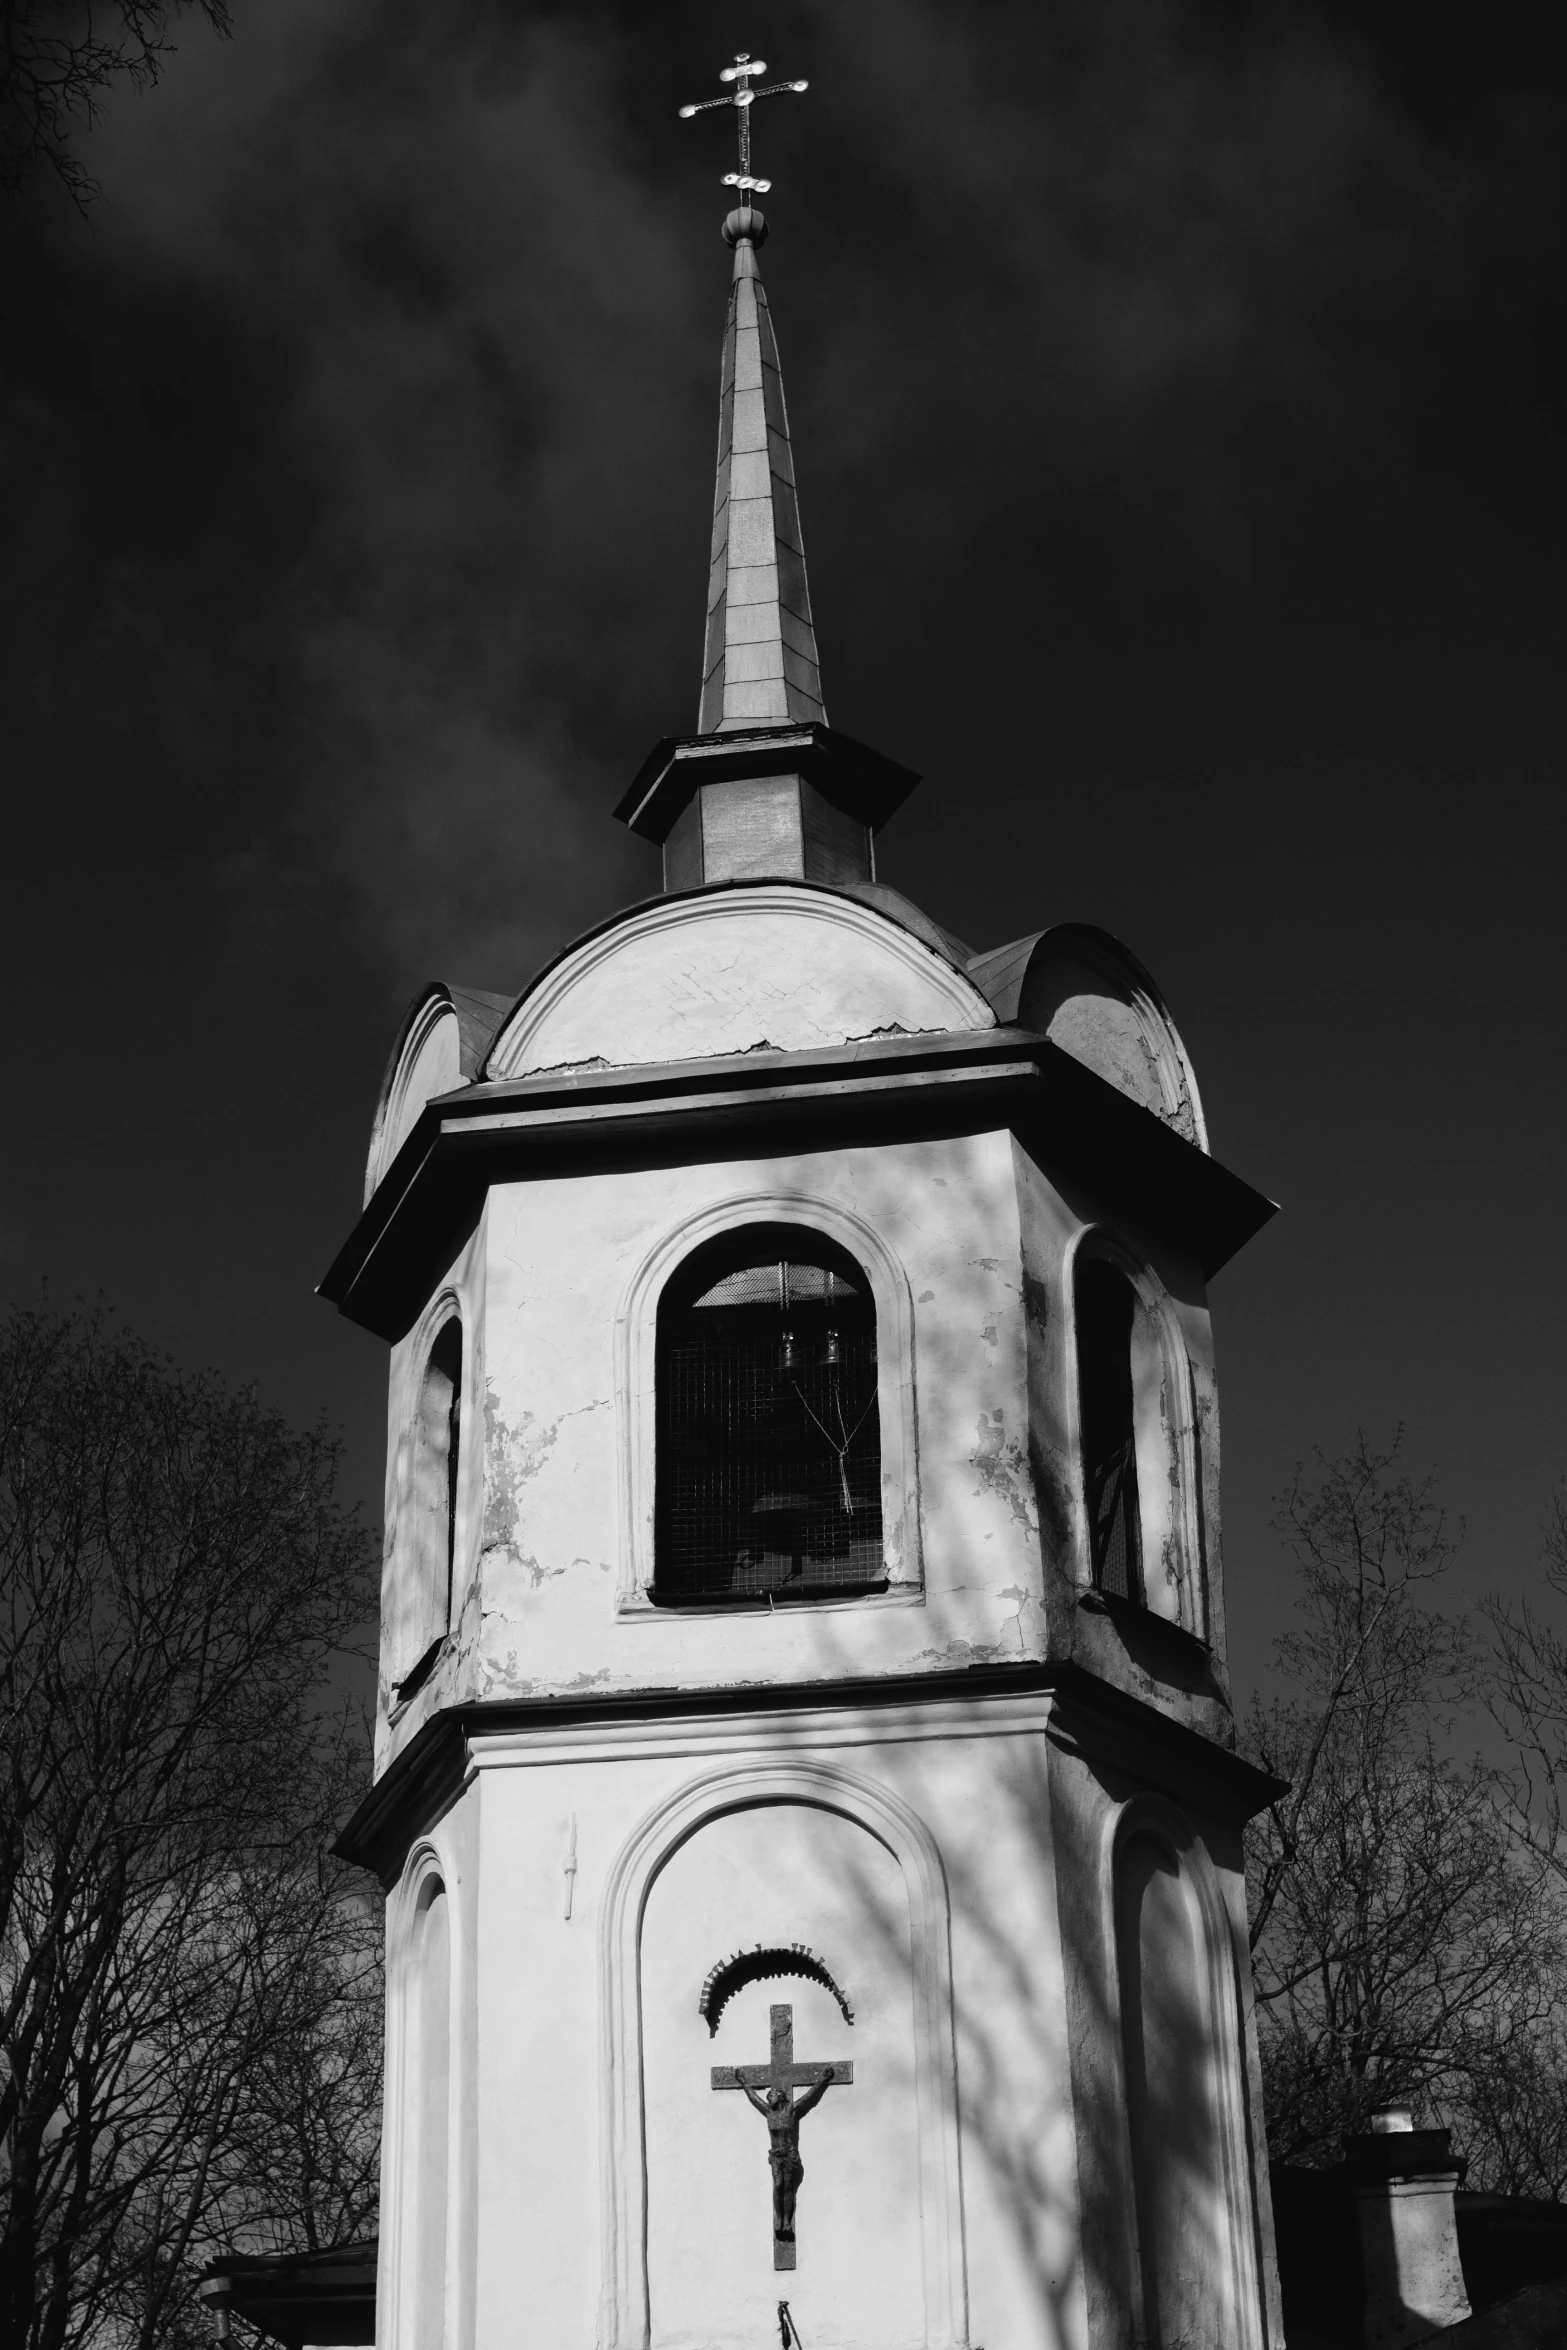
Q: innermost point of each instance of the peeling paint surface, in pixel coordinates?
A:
(1113, 1039)
(1002, 1467)
(548, 1614)
(515, 1452)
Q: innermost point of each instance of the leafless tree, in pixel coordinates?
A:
(299, 2169)
(58, 57)
(1528, 1697)
(1403, 1943)
(1510, 2110)
(178, 1578)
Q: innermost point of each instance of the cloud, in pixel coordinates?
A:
(1104, 290)
(487, 336)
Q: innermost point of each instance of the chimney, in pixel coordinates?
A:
(1403, 2181)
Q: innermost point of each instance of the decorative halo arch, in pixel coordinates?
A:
(762, 1965)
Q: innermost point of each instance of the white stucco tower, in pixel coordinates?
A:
(802, 1665)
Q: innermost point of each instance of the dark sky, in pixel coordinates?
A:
(1178, 404)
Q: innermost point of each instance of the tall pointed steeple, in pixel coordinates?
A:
(764, 790)
(761, 665)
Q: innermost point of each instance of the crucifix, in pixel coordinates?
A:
(771, 2088)
(743, 98)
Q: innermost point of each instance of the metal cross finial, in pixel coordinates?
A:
(743, 98)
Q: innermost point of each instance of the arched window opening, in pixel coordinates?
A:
(432, 1499)
(1106, 1313)
(768, 1429)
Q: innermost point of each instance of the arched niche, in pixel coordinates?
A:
(1191, 2223)
(895, 1873)
(421, 2079)
(774, 1873)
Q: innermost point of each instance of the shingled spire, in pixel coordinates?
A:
(761, 666)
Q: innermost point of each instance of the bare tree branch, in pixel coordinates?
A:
(1404, 1945)
(57, 58)
(177, 1579)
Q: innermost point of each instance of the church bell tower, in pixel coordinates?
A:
(805, 1777)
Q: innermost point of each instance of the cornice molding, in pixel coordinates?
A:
(765, 1103)
(1079, 1714)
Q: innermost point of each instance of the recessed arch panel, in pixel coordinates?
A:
(419, 2281)
(625, 2312)
(1189, 2207)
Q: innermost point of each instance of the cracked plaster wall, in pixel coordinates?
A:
(562, 1258)
(542, 1535)
(984, 1239)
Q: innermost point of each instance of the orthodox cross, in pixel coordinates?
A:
(771, 2088)
(743, 98)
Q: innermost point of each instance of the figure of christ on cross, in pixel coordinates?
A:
(771, 2088)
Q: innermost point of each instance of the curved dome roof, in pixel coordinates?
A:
(445, 1034)
(1090, 995)
(785, 966)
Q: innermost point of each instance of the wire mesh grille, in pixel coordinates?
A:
(1112, 1505)
(769, 1444)
(1104, 1355)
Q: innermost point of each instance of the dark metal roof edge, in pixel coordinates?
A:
(319, 2267)
(290, 2298)
(748, 750)
(769, 1079)
(1132, 1720)
(430, 1770)
(713, 1073)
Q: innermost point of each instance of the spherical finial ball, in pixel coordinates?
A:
(746, 222)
